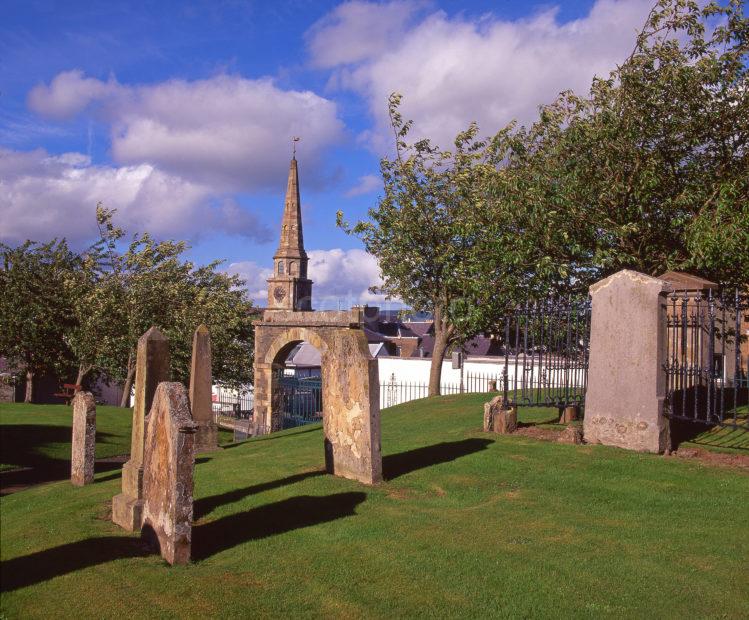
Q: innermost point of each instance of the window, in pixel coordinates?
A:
(280, 267)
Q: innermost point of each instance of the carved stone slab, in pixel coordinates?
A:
(83, 448)
(499, 420)
(168, 463)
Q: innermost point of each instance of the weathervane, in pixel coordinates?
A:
(294, 140)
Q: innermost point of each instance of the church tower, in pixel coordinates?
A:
(288, 287)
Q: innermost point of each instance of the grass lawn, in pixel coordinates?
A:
(467, 525)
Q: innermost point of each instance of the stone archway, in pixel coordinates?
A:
(351, 403)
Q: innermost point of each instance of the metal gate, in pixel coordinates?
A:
(707, 359)
(546, 346)
(299, 399)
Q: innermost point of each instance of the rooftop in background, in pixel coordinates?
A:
(687, 282)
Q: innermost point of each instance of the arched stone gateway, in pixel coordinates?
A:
(351, 400)
(350, 383)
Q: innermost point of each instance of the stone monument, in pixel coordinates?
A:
(152, 367)
(498, 418)
(83, 446)
(350, 381)
(168, 463)
(626, 378)
(201, 382)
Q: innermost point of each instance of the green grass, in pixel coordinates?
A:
(467, 525)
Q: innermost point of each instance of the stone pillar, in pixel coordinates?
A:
(201, 382)
(626, 378)
(152, 367)
(83, 447)
(499, 420)
(168, 465)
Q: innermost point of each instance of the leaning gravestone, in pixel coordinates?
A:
(152, 367)
(200, 391)
(168, 464)
(83, 446)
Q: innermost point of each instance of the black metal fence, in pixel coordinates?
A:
(299, 398)
(708, 358)
(546, 347)
(230, 405)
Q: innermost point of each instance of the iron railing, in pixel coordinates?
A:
(707, 358)
(546, 348)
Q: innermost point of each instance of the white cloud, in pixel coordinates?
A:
(366, 185)
(452, 70)
(228, 132)
(338, 275)
(43, 196)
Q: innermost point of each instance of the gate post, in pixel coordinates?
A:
(626, 377)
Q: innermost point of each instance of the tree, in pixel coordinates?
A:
(424, 233)
(35, 308)
(151, 283)
(649, 170)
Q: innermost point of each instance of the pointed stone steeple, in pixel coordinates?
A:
(291, 244)
(289, 288)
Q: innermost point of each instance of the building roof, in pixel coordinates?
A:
(682, 281)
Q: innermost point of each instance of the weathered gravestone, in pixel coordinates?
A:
(200, 392)
(626, 381)
(571, 434)
(498, 419)
(83, 446)
(168, 464)
(152, 367)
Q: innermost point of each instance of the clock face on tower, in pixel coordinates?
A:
(279, 293)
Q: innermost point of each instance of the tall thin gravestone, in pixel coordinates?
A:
(152, 367)
(168, 464)
(200, 391)
(83, 446)
(626, 380)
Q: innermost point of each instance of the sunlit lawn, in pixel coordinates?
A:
(466, 525)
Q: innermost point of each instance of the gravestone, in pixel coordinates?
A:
(498, 419)
(201, 382)
(83, 446)
(626, 379)
(152, 367)
(168, 463)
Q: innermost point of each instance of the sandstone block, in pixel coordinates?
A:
(569, 414)
(571, 434)
(83, 446)
(499, 420)
(168, 464)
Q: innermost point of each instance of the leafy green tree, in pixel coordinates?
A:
(649, 170)
(35, 308)
(424, 232)
(151, 283)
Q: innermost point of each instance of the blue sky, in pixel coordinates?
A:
(180, 114)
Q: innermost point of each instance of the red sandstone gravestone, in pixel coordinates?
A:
(168, 464)
(83, 445)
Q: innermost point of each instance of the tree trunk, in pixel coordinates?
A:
(29, 397)
(442, 333)
(125, 400)
(82, 372)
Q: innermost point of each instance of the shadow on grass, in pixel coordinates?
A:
(22, 447)
(395, 465)
(44, 565)
(207, 505)
(271, 519)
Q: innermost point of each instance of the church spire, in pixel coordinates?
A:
(288, 287)
(291, 244)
